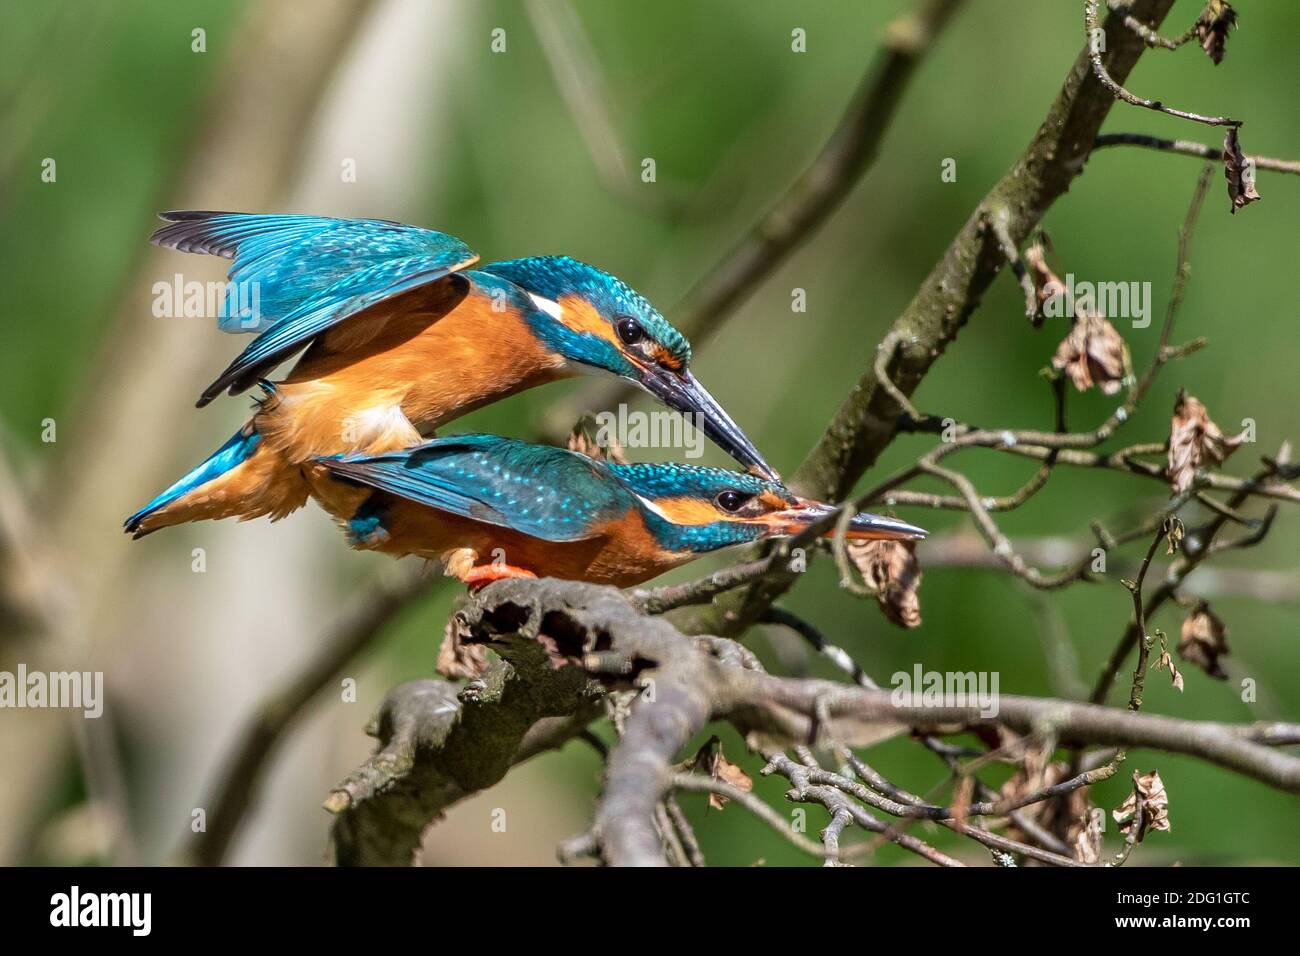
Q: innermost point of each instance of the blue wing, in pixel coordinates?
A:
(295, 277)
(545, 492)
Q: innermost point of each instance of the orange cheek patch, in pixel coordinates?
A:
(688, 511)
(774, 502)
(579, 315)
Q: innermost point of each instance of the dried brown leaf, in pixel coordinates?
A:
(585, 440)
(1204, 640)
(1165, 661)
(458, 660)
(1085, 836)
(728, 772)
(1239, 170)
(1212, 28)
(1047, 284)
(1093, 354)
(1194, 440)
(1149, 790)
(711, 760)
(1064, 816)
(961, 800)
(891, 570)
(1174, 534)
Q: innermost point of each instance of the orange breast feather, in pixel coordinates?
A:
(621, 552)
(427, 361)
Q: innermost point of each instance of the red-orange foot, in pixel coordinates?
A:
(485, 574)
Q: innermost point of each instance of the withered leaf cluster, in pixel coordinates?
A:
(711, 761)
(584, 439)
(890, 569)
(1239, 170)
(1093, 354)
(1150, 790)
(1074, 816)
(1047, 284)
(1086, 839)
(1194, 441)
(1204, 640)
(1174, 533)
(1212, 28)
(1166, 662)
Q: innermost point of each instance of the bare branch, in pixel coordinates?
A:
(562, 641)
(868, 419)
(1190, 148)
(1095, 46)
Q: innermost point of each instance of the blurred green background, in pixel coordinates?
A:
(447, 134)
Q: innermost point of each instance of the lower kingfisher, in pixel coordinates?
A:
(491, 507)
(398, 336)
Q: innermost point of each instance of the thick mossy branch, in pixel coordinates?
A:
(563, 643)
(867, 420)
(441, 742)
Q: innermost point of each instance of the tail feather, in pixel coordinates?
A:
(241, 447)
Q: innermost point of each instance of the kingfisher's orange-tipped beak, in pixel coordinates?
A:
(862, 526)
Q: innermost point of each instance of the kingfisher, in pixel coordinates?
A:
(398, 334)
(489, 507)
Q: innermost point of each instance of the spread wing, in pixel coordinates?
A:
(294, 277)
(545, 492)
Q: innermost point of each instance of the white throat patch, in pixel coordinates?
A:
(651, 506)
(549, 306)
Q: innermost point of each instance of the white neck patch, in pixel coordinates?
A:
(549, 306)
(651, 506)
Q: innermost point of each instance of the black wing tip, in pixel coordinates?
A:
(190, 215)
(213, 392)
(187, 230)
(132, 527)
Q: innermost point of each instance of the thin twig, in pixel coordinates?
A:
(685, 831)
(1095, 35)
(698, 783)
(703, 590)
(1191, 148)
(998, 220)
(1149, 36)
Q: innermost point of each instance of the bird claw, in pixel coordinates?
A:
(485, 574)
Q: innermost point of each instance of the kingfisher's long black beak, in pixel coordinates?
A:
(686, 395)
(862, 526)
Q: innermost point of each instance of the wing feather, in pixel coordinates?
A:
(548, 493)
(294, 277)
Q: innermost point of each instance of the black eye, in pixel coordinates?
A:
(732, 501)
(629, 330)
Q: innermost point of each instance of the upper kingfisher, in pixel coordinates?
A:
(491, 507)
(400, 335)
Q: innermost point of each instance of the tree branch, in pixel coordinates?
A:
(441, 742)
(563, 642)
(867, 420)
(1190, 148)
(1092, 27)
